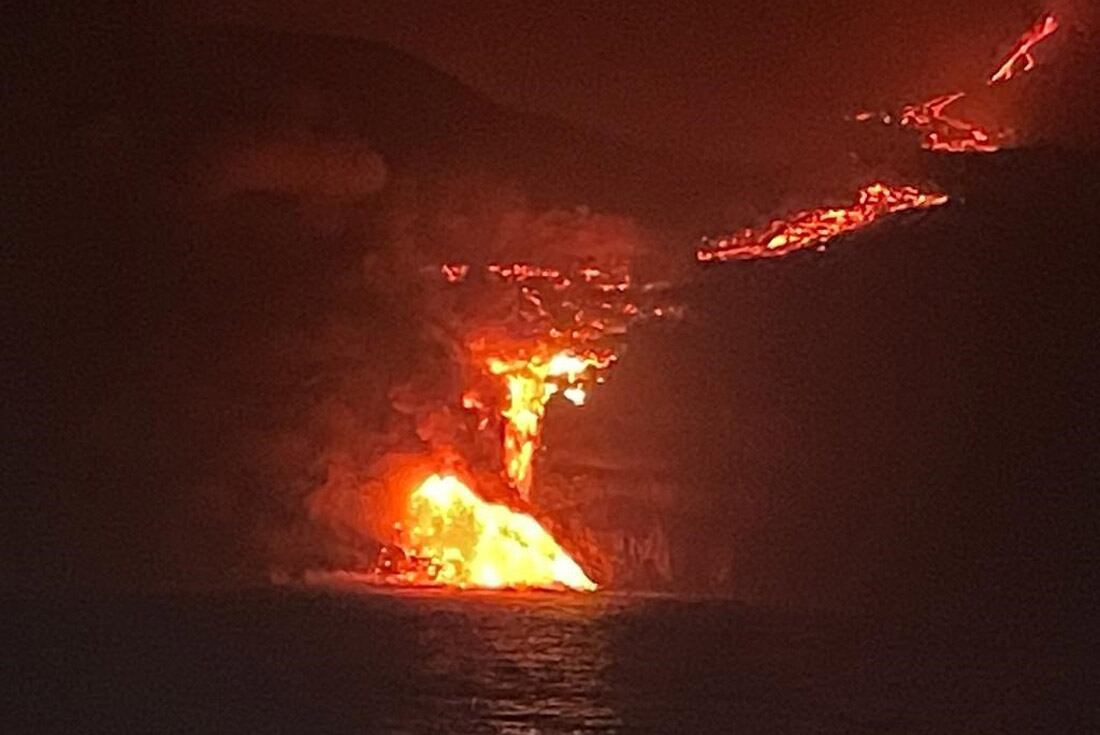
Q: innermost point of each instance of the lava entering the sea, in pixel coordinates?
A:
(452, 537)
(559, 336)
(817, 226)
(548, 330)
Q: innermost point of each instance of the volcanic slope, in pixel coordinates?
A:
(905, 420)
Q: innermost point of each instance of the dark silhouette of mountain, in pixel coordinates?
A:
(175, 88)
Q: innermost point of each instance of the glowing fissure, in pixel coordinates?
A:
(814, 227)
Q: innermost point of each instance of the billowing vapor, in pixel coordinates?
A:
(345, 171)
(467, 340)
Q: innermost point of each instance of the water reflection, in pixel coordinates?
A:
(543, 663)
(350, 660)
(509, 663)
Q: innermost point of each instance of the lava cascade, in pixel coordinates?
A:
(531, 381)
(571, 324)
(562, 335)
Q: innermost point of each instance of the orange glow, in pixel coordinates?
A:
(817, 226)
(455, 538)
(530, 382)
(524, 272)
(454, 272)
(943, 133)
(555, 337)
(1021, 50)
(570, 320)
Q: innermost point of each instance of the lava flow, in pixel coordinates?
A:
(531, 381)
(940, 132)
(535, 331)
(1021, 51)
(572, 329)
(944, 133)
(455, 538)
(817, 226)
(557, 339)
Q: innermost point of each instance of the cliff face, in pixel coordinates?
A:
(616, 518)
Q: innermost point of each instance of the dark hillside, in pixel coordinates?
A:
(908, 419)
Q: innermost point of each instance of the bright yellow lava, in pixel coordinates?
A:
(470, 542)
(531, 382)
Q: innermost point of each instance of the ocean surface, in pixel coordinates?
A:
(341, 657)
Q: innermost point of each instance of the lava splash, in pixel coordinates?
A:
(455, 538)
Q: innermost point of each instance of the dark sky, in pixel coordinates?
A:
(700, 77)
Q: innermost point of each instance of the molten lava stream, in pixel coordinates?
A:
(530, 382)
(945, 134)
(455, 538)
(817, 226)
(1021, 51)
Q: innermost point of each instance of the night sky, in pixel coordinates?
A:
(728, 80)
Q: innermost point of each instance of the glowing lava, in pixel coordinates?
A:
(817, 226)
(531, 381)
(457, 539)
(939, 131)
(556, 334)
(564, 336)
(945, 134)
(1042, 29)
